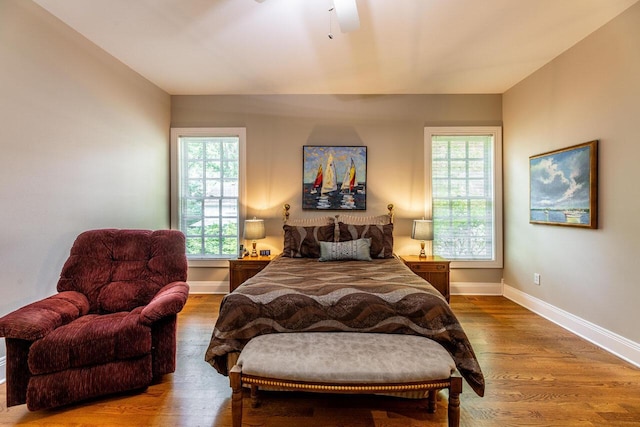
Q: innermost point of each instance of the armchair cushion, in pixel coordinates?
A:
(167, 302)
(124, 296)
(38, 319)
(91, 340)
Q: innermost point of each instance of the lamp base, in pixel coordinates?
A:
(253, 250)
(422, 252)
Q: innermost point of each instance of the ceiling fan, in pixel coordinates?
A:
(346, 12)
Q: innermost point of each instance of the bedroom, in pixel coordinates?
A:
(86, 123)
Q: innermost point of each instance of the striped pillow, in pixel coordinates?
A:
(357, 250)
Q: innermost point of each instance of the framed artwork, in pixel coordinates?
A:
(564, 186)
(334, 177)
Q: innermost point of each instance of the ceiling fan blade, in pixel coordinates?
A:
(347, 13)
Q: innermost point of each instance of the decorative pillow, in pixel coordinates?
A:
(358, 250)
(304, 242)
(381, 237)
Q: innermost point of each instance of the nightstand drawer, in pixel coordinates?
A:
(430, 267)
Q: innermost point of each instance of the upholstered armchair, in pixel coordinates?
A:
(110, 328)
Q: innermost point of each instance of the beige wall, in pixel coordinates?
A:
(392, 128)
(83, 144)
(592, 91)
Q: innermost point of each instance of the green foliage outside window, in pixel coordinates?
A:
(462, 197)
(209, 196)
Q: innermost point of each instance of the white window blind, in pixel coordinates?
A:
(208, 185)
(465, 194)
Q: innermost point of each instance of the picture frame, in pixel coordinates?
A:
(563, 186)
(334, 177)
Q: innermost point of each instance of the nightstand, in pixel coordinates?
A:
(434, 269)
(245, 268)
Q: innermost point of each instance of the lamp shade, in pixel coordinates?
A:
(422, 229)
(254, 229)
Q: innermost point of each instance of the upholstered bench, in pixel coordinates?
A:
(345, 362)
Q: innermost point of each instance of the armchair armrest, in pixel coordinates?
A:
(168, 301)
(37, 319)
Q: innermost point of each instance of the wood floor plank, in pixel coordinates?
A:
(537, 374)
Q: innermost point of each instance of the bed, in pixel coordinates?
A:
(339, 275)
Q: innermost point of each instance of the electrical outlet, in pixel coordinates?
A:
(536, 278)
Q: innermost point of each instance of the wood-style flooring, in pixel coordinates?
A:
(537, 374)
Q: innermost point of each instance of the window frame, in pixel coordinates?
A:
(496, 132)
(176, 173)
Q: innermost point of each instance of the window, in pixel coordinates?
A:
(464, 184)
(207, 190)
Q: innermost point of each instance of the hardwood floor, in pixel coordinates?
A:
(537, 374)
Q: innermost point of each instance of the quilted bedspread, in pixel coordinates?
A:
(304, 295)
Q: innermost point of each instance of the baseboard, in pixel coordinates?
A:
(476, 288)
(613, 343)
(208, 287)
(3, 367)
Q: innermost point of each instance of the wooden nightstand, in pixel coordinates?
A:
(245, 268)
(434, 269)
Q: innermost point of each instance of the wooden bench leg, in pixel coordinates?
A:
(432, 401)
(255, 399)
(454, 402)
(235, 379)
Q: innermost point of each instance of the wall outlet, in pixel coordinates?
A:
(536, 278)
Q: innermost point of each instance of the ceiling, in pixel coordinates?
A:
(282, 46)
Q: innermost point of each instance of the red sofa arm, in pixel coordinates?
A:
(168, 301)
(37, 319)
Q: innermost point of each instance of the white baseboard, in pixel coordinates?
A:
(613, 343)
(476, 288)
(208, 287)
(3, 367)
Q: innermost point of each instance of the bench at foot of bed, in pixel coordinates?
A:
(345, 362)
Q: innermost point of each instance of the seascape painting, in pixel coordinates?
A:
(563, 186)
(334, 177)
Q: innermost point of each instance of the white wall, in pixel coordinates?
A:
(592, 91)
(83, 144)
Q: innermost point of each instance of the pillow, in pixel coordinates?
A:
(381, 237)
(358, 250)
(303, 242)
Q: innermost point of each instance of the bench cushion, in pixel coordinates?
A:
(346, 357)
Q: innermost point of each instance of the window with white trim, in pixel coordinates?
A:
(208, 189)
(464, 185)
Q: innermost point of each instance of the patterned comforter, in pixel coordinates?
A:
(304, 295)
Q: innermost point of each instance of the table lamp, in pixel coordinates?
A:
(254, 230)
(422, 230)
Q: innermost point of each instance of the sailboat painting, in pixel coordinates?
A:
(334, 177)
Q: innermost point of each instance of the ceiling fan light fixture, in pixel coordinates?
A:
(347, 14)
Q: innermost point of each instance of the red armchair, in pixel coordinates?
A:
(110, 328)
